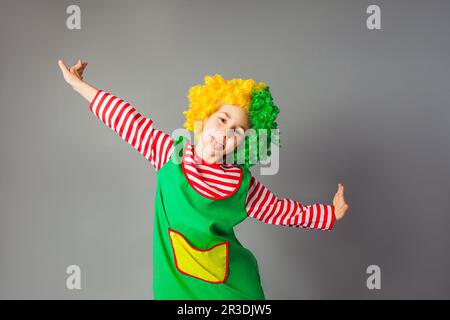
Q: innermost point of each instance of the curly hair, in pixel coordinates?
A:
(253, 97)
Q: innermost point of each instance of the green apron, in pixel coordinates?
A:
(196, 254)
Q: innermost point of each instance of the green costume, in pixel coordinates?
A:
(196, 253)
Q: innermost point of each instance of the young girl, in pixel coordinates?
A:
(199, 199)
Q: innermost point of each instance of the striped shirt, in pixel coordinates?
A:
(215, 181)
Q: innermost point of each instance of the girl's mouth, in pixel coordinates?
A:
(216, 144)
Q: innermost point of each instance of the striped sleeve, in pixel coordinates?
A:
(120, 116)
(263, 205)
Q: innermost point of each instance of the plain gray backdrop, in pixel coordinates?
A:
(368, 108)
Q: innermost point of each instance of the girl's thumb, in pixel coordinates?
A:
(62, 66)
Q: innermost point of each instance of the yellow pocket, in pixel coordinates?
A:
(210, 264)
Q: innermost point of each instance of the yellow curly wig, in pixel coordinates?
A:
(207, 99)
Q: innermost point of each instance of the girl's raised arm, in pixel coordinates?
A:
(137, 130)
(263, 205)
(120, 116)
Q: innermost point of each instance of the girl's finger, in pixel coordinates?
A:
(77, 69)
(62, 66)
(74, 70)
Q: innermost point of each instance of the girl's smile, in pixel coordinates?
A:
(216, 144)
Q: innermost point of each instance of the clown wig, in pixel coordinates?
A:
(254, 97)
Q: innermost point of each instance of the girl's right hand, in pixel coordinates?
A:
(74, 74)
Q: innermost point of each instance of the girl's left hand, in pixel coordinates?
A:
(340, 206)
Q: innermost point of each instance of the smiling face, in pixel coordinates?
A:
(223, 131)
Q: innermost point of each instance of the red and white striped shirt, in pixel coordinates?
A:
(214, 181)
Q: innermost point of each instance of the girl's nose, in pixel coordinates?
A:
(229, 133)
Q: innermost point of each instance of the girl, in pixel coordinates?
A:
(199, 199)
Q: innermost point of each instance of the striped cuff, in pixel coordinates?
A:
(333, 218)
(91, 105)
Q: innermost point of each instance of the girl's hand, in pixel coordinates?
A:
(340, 206)
(74, 74)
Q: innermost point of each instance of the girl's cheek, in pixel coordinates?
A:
(208, 130)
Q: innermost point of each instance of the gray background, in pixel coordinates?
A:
(366, 108)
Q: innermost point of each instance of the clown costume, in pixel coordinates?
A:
(196, 254)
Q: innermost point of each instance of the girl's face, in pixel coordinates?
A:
(224, 130)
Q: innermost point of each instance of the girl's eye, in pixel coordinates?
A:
(222, 119)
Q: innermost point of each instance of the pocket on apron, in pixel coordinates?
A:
(209, 264)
